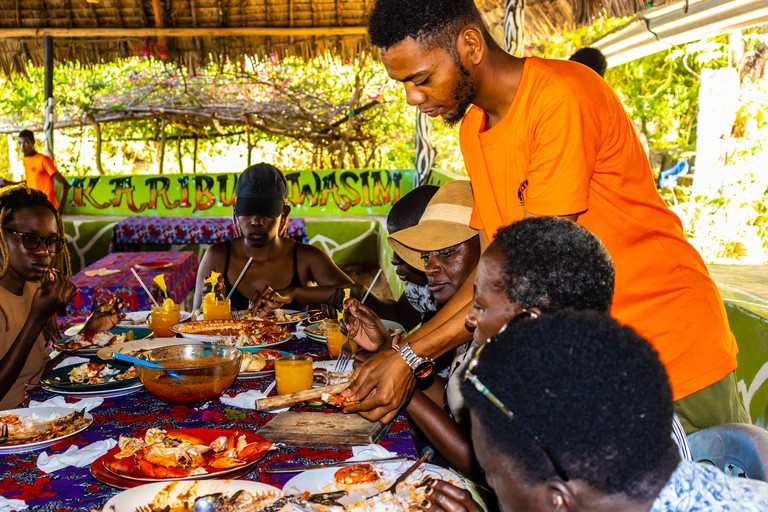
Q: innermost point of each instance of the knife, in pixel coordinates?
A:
(295, 469)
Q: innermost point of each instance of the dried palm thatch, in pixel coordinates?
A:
(194, 32)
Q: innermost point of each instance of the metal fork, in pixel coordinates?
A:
(345, 356)
(4, 434)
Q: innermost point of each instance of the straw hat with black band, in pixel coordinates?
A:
(445, 223)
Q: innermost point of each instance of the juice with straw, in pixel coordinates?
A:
(215, 306)
(293, 374)
(163, 317)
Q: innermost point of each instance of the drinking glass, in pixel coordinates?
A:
(336, 339)
(162, 318)
(217, 309)
(293, 373)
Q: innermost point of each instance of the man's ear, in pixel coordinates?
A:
(561, 496)
(471, 45)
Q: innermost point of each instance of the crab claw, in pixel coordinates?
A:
(226, 462)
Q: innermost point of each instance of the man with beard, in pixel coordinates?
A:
(550, 137)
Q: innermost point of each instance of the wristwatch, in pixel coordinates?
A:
(422, 367)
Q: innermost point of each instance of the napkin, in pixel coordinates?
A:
(86, 403)
(370, 452)
(299, 333)
(74, 456)
(71, 360)
(248, 399)
(100, 272)
(8, 504)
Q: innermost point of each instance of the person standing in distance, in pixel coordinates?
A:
(41, 172)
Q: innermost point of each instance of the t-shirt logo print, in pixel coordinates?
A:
(520, 191)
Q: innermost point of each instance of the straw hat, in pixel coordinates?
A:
(445, 223)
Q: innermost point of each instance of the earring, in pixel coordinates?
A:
(559, 501)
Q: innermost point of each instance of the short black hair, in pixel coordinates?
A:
(595, 394)
(27, 134)
(432, 23)
(592, 58)
(407, 211)
(553, 263)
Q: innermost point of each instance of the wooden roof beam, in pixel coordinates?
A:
(113, 33)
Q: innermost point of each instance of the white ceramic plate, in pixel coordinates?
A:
(142, 496)
(132, 347)
(322, 480)
(42, 412)
(104, 394)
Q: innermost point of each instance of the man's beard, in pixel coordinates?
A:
(463, 94)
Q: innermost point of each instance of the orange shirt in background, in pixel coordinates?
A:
(39, 170)
(566, 146)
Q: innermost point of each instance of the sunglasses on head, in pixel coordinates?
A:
(31, 241)
(483, 389)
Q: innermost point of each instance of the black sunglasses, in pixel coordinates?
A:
(32, 241)
(483, 389)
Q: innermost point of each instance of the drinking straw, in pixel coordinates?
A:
(240, 277)
(145, 288)
(371, 287)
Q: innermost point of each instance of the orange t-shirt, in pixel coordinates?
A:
(567, 146)
(39, 171)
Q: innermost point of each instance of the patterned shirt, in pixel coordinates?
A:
(697, 487)
(420, 297)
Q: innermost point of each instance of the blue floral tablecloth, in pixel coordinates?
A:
(185, 230)
(179, 277)
(75, 488)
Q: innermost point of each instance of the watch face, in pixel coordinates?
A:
(424, 370)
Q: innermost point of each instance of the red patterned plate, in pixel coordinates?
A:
(153, 265)
(127, 469)
(103, 475)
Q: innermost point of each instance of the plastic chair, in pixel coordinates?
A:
(737, 449)
(668, 178)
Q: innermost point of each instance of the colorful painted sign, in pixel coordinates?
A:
(331, 192)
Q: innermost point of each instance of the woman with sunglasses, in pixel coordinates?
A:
(34, 284)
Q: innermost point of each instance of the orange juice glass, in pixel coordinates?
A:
(336, 339)
(216, 309)
(293, 374)
(162, 319)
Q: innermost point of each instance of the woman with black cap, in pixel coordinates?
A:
(280, 264)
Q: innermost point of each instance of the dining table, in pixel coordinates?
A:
(179, 269)
(75, 488)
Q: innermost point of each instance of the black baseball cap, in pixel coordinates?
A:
(261, 190)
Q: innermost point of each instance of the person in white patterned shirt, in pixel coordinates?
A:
(571, 411)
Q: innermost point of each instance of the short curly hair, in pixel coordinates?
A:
(553, 263)
(595, 394)
(432, 23)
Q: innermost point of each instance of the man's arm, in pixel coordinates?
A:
(61, 180)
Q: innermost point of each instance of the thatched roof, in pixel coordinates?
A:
(192, 32)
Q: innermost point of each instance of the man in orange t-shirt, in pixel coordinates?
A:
(41, 172)
(548, 137)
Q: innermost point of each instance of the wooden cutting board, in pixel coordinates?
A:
(318, 429)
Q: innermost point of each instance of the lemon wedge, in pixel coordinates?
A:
(169, 304)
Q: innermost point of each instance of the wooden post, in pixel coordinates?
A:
(250, 146)
(178, 155)
(97, 132)
(48, 94)
(162, 146)
(159, 24)
(194, 157)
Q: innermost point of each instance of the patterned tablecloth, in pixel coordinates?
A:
(179, 277)
(75, 488)
(185, 230)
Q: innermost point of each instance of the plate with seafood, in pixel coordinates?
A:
(316, 331)
(181, 496)
(362, 481)
(132, 319)
(188, 454)
(40, 427)
(88, 343)
(244, 333)
(259, 364)
(91, 377)
(132, 348)
(279, 316)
